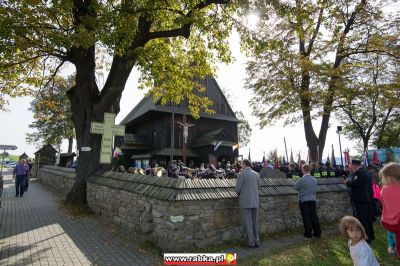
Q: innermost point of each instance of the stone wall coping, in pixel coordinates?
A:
(169, 189)
(61, 171)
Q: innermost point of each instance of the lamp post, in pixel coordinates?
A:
(338, 130)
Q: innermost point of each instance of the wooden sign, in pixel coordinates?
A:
(108, 130)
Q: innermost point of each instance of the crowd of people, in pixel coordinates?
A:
(177, 169)
(373, 193)
(229, 170)
(365, 195)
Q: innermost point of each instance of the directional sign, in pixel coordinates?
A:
(86, 149)
(8, 147)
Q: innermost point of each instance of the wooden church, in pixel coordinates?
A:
(155, 133)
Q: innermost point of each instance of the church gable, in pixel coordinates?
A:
(221, 107)
(214, 93)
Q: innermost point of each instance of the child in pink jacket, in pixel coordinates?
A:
(390, 197)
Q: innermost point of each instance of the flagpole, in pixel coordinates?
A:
(287, 156)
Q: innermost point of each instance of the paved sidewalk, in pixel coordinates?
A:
(34, 231)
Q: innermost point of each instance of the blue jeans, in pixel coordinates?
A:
(390, 239)
(20, 185)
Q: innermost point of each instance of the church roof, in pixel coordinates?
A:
(147, 104)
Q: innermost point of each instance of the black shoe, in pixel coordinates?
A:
(317, 236)
(16, 195)
(256, 245)
(307, 236)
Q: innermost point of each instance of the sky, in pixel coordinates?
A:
(231, 77)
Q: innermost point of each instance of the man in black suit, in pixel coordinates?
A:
(361, 195)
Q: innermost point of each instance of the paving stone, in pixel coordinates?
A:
(34, 231)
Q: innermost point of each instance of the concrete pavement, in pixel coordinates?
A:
(34, 231)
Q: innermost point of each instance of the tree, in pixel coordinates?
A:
(170, 42)
(301, 50)
(4, 154)
(244, 129)
(370, 98)
(53, 117)
(272, 154)
(390, 137)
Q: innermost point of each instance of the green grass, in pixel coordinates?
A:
(151, 248)
(332, 250)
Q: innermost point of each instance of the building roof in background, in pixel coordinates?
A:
(48, 146)
(213, 90)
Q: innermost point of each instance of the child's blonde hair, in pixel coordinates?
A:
(348, 222)
(390, 170)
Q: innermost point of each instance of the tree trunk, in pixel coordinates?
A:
(382, 128)
(70, 142)
(365, 143)
(87, 106)
(83, 97)
(311, 137)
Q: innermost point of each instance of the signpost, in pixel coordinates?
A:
(108, 130)
(8, 147)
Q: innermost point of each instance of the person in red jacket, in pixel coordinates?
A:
(390, 198)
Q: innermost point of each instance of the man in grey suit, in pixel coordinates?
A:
(247, 185)
(307, 187)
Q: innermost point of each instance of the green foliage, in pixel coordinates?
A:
(390, 137)
(151, 248)
(244, 129)
(5, 154)
(52, 113)
(300, 51)
(11, 157)
(369, 98)
(170, 42)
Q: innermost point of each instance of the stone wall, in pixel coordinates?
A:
(187, 224)
(193, 217)
(196, 213)
(59, 179)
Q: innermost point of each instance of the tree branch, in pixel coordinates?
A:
(311, 44)
(54, 74)
(183, 31)
(122, 66)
